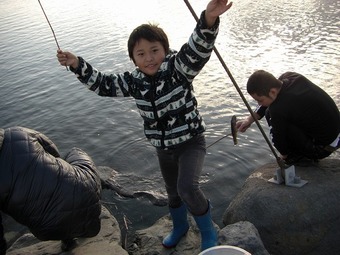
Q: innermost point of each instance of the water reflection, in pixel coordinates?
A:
(281, 36)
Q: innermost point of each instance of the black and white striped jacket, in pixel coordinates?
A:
(165, 101)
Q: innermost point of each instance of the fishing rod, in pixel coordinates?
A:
(278, 159)
(55, 38)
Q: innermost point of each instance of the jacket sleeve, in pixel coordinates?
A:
(113, 85)
(261, 111)
(194, 54)
(87, 170)
(73, 208)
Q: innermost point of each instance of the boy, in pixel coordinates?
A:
(162, 87)
(304, 120)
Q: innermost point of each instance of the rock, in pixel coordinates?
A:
(148, 241)
(133, 186)
(108, 241)
(292, 220)
(244, 235)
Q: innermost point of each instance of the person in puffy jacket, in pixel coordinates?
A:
(57, 199)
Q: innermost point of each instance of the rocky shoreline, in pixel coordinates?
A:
(264, 218)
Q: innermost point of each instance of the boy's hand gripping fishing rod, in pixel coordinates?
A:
(278, 159)
(55, 38)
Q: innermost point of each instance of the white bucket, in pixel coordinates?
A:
(224, 250)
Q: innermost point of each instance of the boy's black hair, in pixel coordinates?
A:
(260, 83)
(149, 32)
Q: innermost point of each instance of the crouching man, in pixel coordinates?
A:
(57, 199)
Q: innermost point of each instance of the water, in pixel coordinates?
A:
(36, 92)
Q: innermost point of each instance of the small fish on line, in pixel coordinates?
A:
(233, 132)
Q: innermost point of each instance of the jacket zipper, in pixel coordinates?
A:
(152, 100)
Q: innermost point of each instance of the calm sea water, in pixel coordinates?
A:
(38, 93)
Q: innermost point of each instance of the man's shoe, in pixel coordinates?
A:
(299, 160)
(293, 159)
(68, 244)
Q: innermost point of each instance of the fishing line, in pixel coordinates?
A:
(55, 38)
(278, 159)
(218, 140)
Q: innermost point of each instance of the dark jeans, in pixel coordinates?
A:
(181, 169)
(302, 145)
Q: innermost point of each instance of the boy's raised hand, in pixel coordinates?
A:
(214, 9)
(66, 58)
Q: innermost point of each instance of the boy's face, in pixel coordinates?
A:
(148, 56)
(266, 100)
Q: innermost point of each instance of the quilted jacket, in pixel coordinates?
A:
(56, 199)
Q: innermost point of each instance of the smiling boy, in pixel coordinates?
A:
(162, 87)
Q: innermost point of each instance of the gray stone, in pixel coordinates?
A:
(292, 220)
(244, 235)
(134, 186)
(108, 241)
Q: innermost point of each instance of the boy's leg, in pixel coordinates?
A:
(169, 169)
(191, 159)
(178, 212)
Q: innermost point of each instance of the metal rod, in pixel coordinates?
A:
(278, 159)
(55, 38)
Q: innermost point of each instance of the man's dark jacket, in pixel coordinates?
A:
(55, 198)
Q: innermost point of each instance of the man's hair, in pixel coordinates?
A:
(260, 83)
(149, 32)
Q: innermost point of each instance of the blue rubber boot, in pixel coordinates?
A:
(180, 226)
(207, 229)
